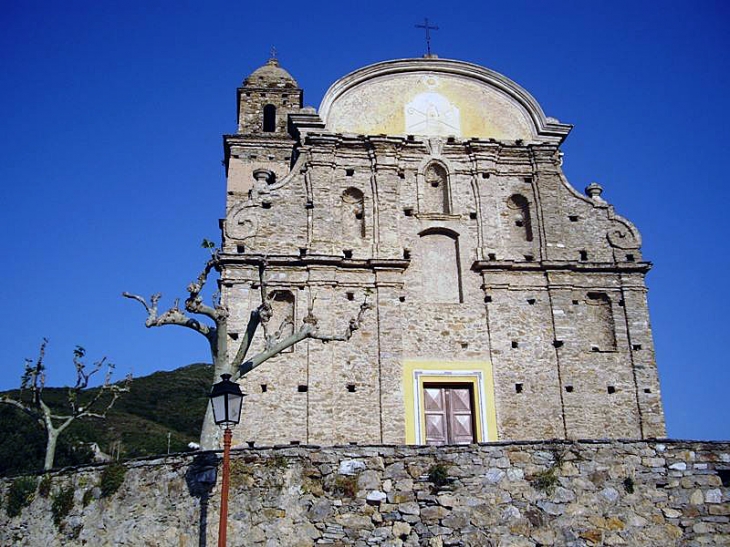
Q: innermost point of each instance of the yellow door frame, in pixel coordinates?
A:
(416, 372)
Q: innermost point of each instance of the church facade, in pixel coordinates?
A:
(506, 304)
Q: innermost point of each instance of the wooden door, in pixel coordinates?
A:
(449, 415)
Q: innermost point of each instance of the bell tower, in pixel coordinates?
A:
(260, 152)
(265, 100)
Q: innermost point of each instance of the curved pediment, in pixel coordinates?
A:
(436, 97)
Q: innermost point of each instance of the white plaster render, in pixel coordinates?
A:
(370, 100)
(432, 114)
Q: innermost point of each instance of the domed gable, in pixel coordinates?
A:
(436, 97)
(270, 75)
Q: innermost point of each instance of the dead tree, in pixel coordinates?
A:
(215, 329)
(30, 398)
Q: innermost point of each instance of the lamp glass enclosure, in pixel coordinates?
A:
(227, 399)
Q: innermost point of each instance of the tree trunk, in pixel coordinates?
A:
(51, 439)
(210, 434)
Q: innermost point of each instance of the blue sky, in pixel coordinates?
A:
(111, 116)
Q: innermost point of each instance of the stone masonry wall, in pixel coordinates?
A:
(491, 257)
(631, 493)
(476, 253)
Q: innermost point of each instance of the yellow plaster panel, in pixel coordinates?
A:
(416, 372)
(458, 106)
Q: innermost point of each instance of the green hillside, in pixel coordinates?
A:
(157, 405)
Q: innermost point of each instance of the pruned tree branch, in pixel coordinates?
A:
(37, 408)
(34, 376)
(194, 303)
(253, 323)
(307, 330)
(173, 316)
(217, 334)
(151, 310)
(32, 413)
(259, 317)
(82, 375)
(265, 309)
(354, 325)
(271, 340)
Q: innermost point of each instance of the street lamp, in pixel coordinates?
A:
(226, 398)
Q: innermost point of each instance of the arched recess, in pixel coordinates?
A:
(269, 118)
(440, 266)
(282, 319)
(435, 195)
(601, 327)
(353, 214)
(520, 218)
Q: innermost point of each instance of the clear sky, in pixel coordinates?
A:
(111, 116)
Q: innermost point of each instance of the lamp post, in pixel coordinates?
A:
(226, 398)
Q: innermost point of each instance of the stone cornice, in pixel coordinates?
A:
(285, 89)
(302, 123)
(247, 139)
(545, 265)
(498, 149)
(227, 259)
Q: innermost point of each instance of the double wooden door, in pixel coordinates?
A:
(449, 413)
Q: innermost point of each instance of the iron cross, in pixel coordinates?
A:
(428, 28)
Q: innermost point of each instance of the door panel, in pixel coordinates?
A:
(448, 413)
(436, 417)
(461, 399)
(461, 429)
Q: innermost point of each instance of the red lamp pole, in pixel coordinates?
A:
(225, 398)
(223, 526)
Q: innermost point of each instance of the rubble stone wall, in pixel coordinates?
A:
(530, 494)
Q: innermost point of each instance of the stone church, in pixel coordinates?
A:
(507, 305)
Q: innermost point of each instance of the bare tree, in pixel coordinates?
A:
(30, 398)
(215, 330)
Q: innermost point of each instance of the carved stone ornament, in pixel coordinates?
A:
(435, 145)
(264, 175)
(594, 191)
(435, 175)
(264, 178)
(241, 225)
(622, 239)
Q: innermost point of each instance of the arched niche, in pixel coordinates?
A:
(435, 192)
(601, 329)
(520, 218)
(440, 266)
(353, 214)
